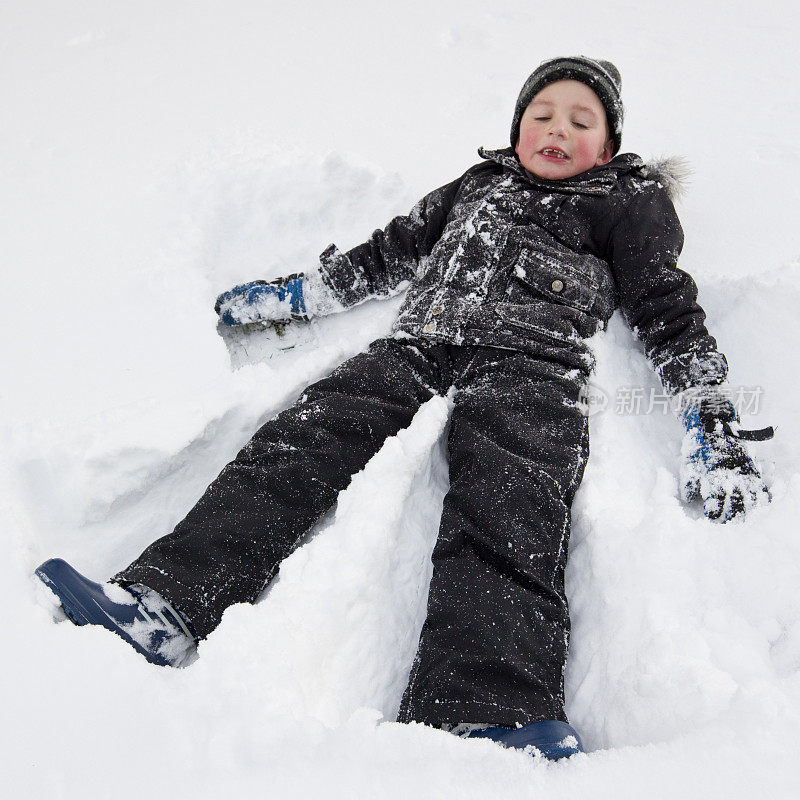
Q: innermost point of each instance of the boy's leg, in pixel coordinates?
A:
(493, 647)
(252, 516)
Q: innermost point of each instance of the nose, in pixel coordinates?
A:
(557, 126)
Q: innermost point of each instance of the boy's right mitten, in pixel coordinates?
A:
(715, 465)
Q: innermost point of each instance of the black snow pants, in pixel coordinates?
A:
(493, 646)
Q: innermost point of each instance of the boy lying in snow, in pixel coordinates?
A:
(509, 269)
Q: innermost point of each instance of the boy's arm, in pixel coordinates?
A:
(659, 301)
(377, 268)
(380, 266)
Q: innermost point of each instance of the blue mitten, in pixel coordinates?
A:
(263, 301)
(714, 463)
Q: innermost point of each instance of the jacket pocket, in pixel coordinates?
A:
(530, 318)
(560, 276)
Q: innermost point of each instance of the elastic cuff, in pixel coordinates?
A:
(709, 400)
(320, 299)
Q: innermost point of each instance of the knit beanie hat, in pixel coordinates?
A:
(600, 76)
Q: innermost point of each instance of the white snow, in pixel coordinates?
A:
(155, 154)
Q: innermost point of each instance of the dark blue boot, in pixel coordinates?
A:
(137, 614)
(551, 737)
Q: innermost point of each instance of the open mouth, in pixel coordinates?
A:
(554, 153)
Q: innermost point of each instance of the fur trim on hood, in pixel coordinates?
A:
(674, 173)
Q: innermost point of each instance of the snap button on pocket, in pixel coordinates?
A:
(436, 310)
(557, 285)
(430, 327)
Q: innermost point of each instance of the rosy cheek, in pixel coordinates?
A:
(586, 152)
(527, 140)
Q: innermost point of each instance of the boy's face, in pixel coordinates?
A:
(563, 132)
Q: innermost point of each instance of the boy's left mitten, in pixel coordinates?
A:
(715, 465)
(279, 300)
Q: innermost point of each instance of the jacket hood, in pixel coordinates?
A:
(596, 181)
(672, 173)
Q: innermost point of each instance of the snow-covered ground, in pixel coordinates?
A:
(153, 154)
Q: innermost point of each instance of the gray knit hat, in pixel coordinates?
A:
(600, 76)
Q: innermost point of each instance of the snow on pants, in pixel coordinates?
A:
(494, 643)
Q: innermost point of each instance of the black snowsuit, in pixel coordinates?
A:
(507, 275)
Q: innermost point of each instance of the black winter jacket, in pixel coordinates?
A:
(500, 257)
